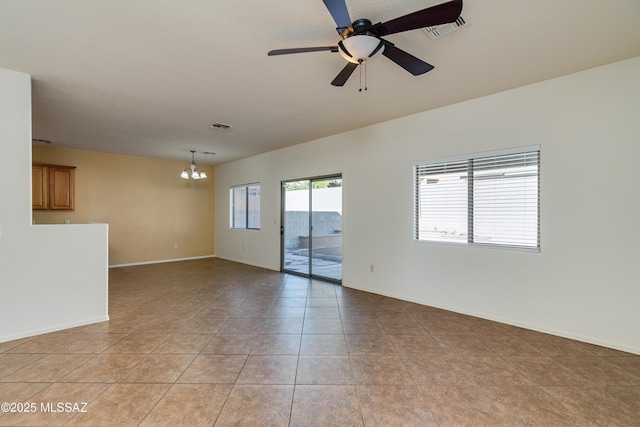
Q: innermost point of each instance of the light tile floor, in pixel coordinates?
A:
(210, 342)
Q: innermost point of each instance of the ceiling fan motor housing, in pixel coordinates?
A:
(361, 26)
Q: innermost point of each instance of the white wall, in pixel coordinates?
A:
(585, 282)
(51, 277)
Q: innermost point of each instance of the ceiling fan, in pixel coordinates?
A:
(362, 40)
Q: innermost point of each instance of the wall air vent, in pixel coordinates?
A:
(220, 126)
(438, 31)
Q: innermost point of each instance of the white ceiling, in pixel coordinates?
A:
(148, 77)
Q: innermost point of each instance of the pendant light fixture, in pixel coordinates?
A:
(192, 170)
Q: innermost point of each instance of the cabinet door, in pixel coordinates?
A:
(39, 187)
(61, 188)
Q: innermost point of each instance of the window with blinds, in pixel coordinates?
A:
(245, 206)
(486, 199)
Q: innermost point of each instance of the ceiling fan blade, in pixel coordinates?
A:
(302, 50)
(435, 15)
(407, 61)
(344, 75)
(340, 13)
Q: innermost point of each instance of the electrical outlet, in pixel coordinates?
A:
(175, 246)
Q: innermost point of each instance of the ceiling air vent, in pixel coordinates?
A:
(220, 126)
(438, 31)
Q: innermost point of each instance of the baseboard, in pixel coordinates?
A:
(241, 261)
(532, 327)
(54, 329)
(161, 261)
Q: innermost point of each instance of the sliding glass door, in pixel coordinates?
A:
(295, 226)
(312, 227)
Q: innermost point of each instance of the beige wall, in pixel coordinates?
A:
(147, 205)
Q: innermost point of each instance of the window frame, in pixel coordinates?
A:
(470, 219)
(246, 223)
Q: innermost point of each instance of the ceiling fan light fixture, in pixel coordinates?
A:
(359, 48)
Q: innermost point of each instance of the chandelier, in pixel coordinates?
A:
(192, 170)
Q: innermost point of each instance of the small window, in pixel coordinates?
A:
(485, 199)
(245, 206)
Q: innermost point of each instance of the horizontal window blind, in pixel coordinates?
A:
(505, 200)
(484, 200)
(238, 207)
(442, 195)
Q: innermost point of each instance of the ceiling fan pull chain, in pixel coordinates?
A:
(360, 62)
(365, 75)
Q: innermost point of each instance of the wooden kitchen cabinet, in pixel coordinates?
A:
(40, 187)
(53, 187)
